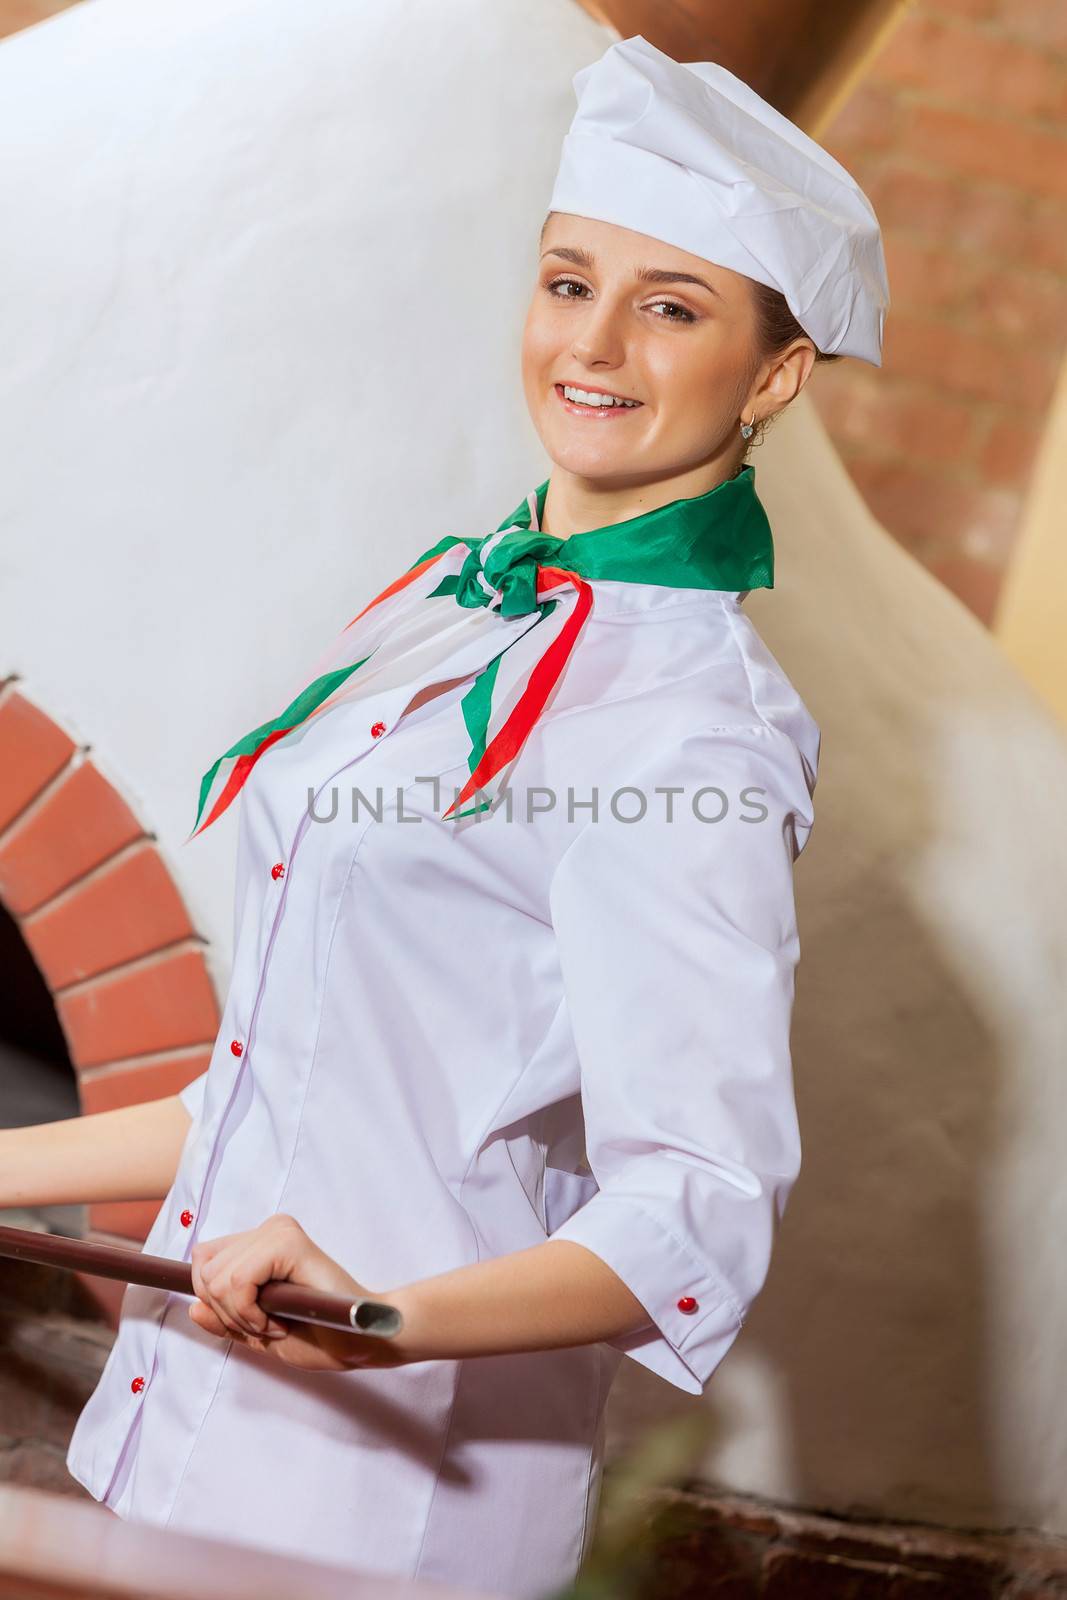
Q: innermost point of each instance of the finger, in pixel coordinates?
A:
(221, 1301)
(210, 1280)
(246, 1277)
(201, 1260)
(205, 1318)
(260, 1256)
(235, 1276)
(246, 1269)
(218, 1311)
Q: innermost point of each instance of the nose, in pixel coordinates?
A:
(599, 340)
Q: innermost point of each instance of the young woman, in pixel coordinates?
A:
(507, 1036)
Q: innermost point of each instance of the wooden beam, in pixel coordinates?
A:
(803, 56)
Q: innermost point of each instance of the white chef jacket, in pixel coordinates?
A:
(458, 1039)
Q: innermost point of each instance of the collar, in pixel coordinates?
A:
(720, 540)
(717, 540)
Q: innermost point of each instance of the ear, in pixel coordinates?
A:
(780, 379)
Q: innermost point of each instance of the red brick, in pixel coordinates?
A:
(1042, 240)
(1042, 22)
(876, 416)
(32, 751)
(931, 427)
(957, 63)
(1022, 304)
(941, 280)
(126, 1219)
(986, 220)
(919, 202)
(976, 583)
(1010, 226)
(869, 120)
(973, 10)
(934, 278)
(935, 516)
(122, 911)
(965, 363)
(997, 150)
(160, 1005)
(1009, 453)
(946, 213)
(78, 825)
(131, 1086)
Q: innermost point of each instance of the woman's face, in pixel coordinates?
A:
(616, 312)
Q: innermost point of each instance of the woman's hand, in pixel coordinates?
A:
(227, 1275)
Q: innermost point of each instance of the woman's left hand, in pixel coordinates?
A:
(228, 1273)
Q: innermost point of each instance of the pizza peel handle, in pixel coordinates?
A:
(160, 1272)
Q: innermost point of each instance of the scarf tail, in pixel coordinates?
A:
(223, 782)
(509, 740)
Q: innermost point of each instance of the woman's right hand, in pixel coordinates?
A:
(130, 1153)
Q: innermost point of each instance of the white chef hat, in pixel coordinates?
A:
(688, 153)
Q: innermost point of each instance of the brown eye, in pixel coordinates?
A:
(680, 313)
(686, 314)
(569, 283)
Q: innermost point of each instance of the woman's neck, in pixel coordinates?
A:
(575, 504)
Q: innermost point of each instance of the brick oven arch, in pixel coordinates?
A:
(107, 927)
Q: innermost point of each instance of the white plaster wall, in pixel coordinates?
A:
(262, 282)
(907, 1355)
(261, 288)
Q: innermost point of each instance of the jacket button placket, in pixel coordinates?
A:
(278, 872)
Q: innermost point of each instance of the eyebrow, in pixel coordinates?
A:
(582, 258)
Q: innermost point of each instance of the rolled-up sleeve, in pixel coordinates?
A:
(677, 941)
(192, 1096)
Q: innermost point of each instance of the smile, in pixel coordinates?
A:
(593, 403)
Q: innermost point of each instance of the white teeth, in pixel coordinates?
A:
(582, 397)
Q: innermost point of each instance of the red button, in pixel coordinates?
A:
(187, 1219)
(277, 870)
(687, 1303)
(137, 1385)
(377, 730)
(236, 1046)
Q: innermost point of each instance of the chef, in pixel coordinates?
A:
(506, 1041)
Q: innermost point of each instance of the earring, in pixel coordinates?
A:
(748, 428)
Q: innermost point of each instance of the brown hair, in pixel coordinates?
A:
(776, 325)
(776, 328)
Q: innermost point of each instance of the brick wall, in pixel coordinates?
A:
(95, 905)
(958, 134)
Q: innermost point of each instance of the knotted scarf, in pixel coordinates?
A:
(412, 633)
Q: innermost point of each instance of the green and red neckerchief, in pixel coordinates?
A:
(717, 540)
